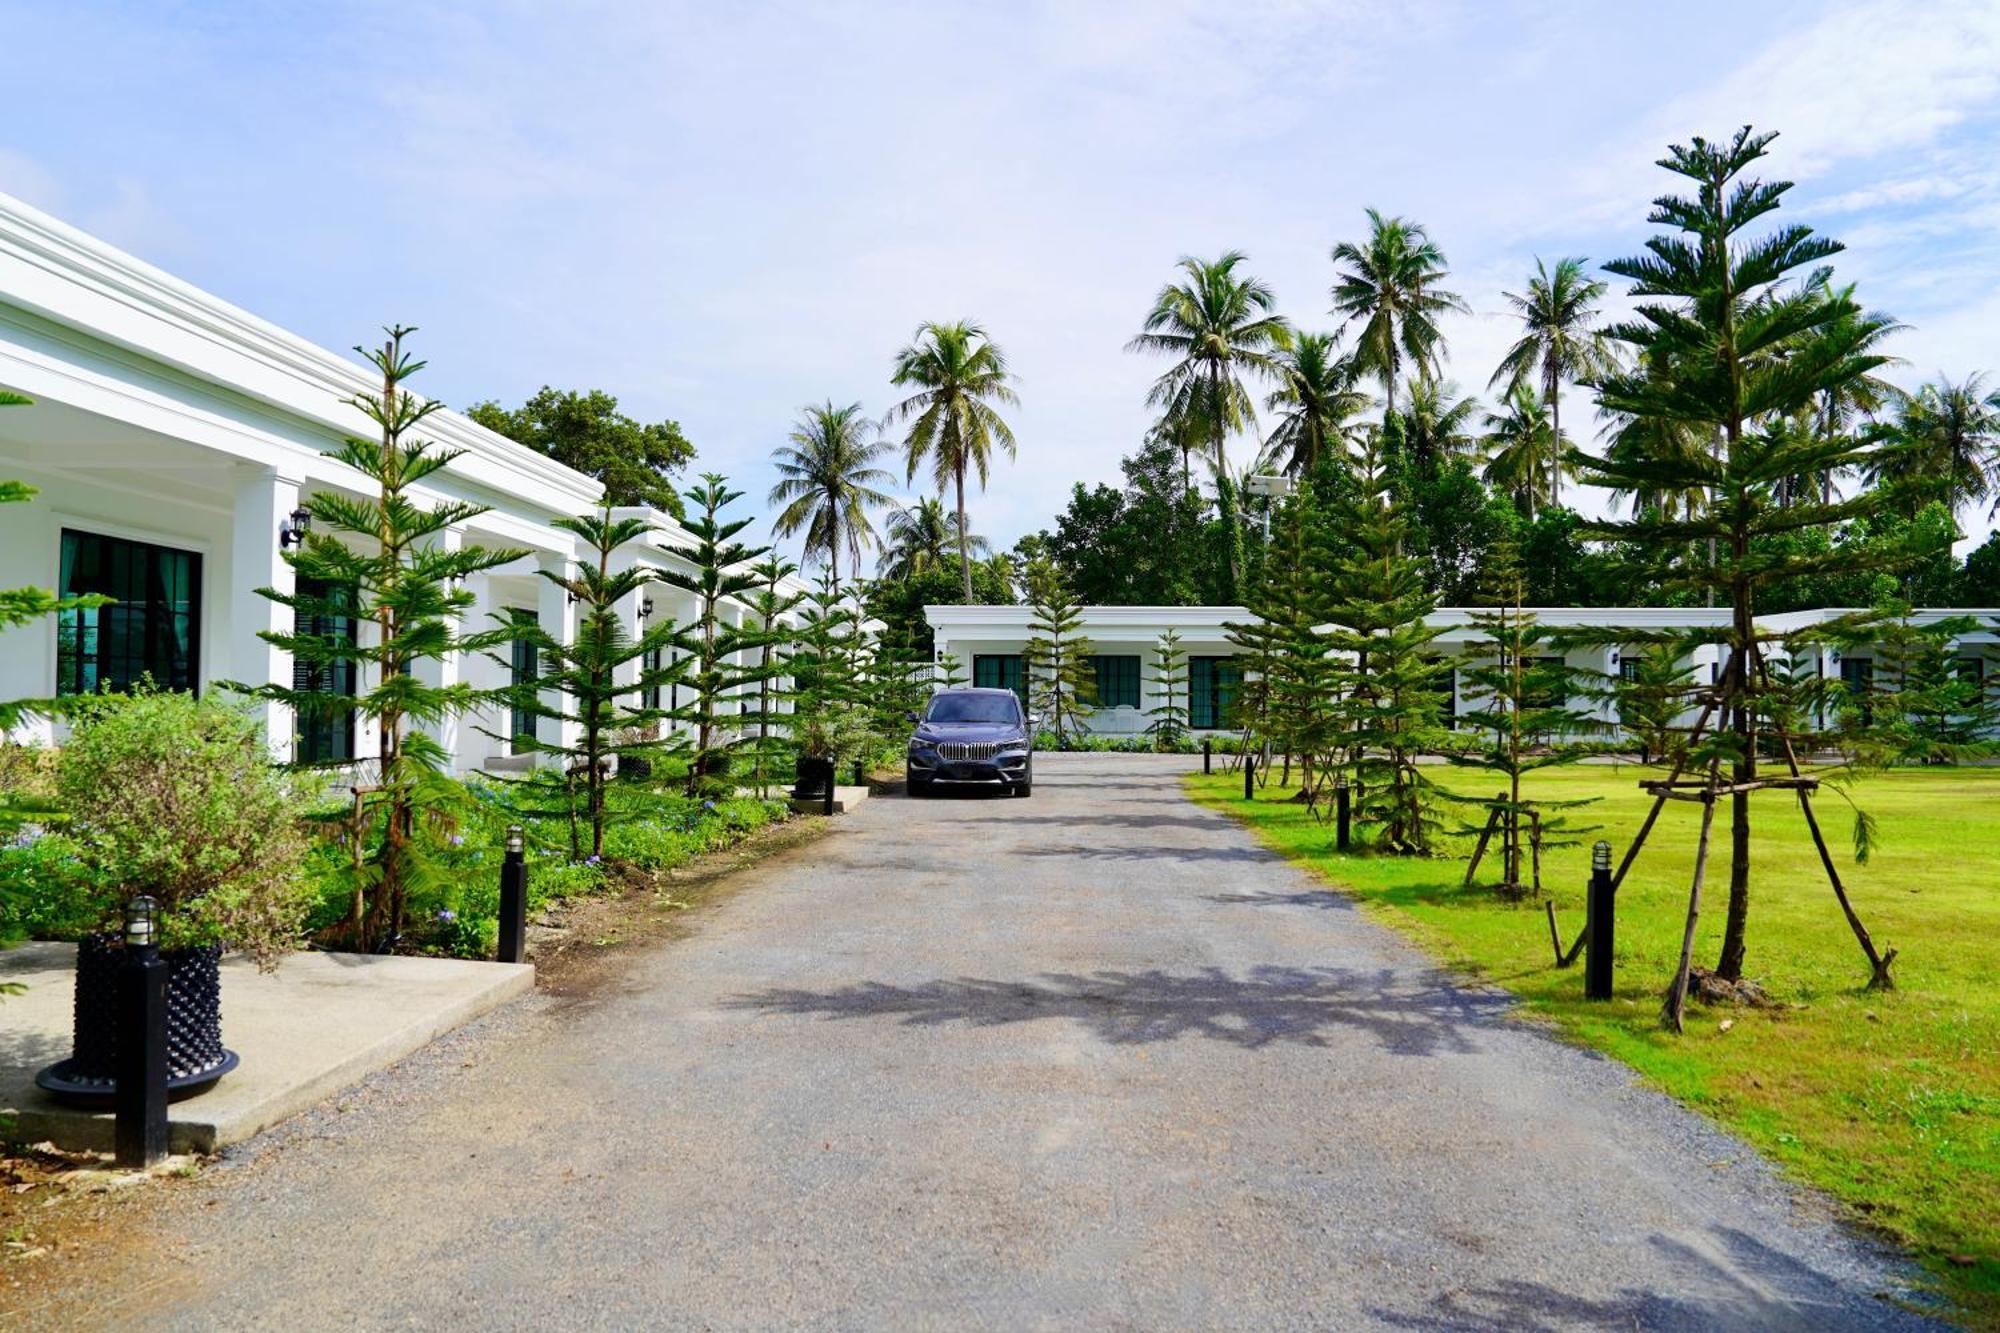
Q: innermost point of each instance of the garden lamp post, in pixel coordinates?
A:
(1597, 925)
(514, 898)
(140, 1133)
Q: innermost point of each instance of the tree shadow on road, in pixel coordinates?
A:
(1168, 852)
(1726, 1279)
(1207, 823)
(1300, 1006)
(1324, 900)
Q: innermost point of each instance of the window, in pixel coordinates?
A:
(1558, 696)
(326, 736)
(523, 719)
(1212, 683)
(1857, 675)
(1451, 697)
(151, 627)
(654, 660)
(1117, 681)
(1000, 671)
(1628, 668)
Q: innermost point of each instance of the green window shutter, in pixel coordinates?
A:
(151, 628)
(527, 666)
(1117, 680)
(1212, 683)
(1000, 671)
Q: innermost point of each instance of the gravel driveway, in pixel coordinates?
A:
(1086, 1060)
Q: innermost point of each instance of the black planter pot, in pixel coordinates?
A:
(815, 776)
(195, 1054)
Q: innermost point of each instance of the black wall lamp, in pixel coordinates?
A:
(292, 530)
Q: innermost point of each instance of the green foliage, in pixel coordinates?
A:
(827, 483)
(899, 603)
(1387, 682)
(1056, 657)
(1923, 703)
(1150, 543)
(586, 431)
(386, 559)
(1217, 326)
(1727, 347)
(772, 606)
(723, 571)
(1653, 696)
(1518, 687)
(1169, 725)
(175, 797)
(832, 709)
(1392, 285)
(600, 680)
(959, 374)
(47, 890)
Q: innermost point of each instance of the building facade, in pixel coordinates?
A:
(989, 644)
(171, 435)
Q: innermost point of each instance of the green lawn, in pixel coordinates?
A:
(1889, 1101)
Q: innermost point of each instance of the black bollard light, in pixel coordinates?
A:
(860, 776)
(1207, 756)
(141, 1130)
(1249, 775)
(514, 899)
(1598, 926)
(1343, 813)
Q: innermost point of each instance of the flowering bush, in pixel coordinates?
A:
(176, 797)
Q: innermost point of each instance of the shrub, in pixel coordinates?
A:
(176, 797)
(46, 891)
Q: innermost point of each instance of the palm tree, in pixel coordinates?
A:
(1559, 339)
(1391, 284)
(1522, 456)
(1314, 402)
(828, 482)
(1946, 435)
(1216, 326)
(921, 538)
(1436, 424)
(959, 374)
(1840, 408)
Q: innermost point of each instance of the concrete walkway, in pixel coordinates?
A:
(1089, 1059)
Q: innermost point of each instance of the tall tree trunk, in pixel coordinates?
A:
(964, 547)
(1556, 425)
(833, 548)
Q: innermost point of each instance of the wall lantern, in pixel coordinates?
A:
(142, 922)
(293, 529)
(646, 608)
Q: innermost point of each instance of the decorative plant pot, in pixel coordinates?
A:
(815, 776)
(195, 1054)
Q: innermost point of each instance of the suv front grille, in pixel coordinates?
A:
(968, 749)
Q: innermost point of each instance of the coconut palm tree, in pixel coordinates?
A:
(1522, 456)
(1315, 401)
(1841, 408)
(1393, 284)
(1947, 435)
(1217, 326)
(1437, 423)
(1559, 340)
(828, 482)
(921, 537)
(959, 374)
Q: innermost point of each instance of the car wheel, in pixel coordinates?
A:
(918, 787)
(1026, 786)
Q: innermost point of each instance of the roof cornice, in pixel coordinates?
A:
(76, 280)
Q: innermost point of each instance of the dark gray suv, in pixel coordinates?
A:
(974, 737)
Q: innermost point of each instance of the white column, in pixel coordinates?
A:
(446, 671)
(264, 499)
(557, 618)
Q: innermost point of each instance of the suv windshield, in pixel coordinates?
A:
(973, 708)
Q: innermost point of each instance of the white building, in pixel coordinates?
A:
(988, 642)
(171, 435)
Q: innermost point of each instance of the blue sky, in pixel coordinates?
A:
(722, 212)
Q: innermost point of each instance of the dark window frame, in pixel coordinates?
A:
(326, 737)
(1125, 681)
(1007, 664)
(166, 628)
(525, 665)
(1212, 686)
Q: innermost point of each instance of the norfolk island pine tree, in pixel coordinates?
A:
(1061, 688)
(724, 569)
(1727, 343)
(1169, 725)
(584, 676)
(411, 587)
